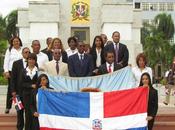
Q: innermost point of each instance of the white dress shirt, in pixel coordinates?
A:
(138, 73)
(71, 52)
(24, 62)
(112, 66)
(10, 57)
(79, 55)
(41, 59)
(98, 60)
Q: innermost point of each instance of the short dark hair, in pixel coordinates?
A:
(71, 38)
(47, 40)
(115, 32)
(35, 41)
(141, 55)
(107, 52)
(25, 48)
(32, 56)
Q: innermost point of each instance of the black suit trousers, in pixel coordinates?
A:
(150, 124)
(9, 96)
(28, 113)
(20, 117)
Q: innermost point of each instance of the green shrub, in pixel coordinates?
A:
(3, 81)
(163, 81)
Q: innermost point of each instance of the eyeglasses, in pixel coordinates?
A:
(26, 51)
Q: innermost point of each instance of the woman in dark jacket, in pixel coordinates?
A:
(29, 79)
(97, 52)
(43, 83)
(152, 99)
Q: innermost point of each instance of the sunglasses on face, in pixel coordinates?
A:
(26, 51)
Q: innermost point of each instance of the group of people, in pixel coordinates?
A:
(21, 68)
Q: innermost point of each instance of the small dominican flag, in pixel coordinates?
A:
(18, 103)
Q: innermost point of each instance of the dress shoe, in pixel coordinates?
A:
(7, 111)
(165, 103)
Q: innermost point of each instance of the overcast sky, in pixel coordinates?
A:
(6, 6)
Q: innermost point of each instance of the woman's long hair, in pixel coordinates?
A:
(149, 78)
(94, 45)
(11, 42)
(52, 44)
(38, 84)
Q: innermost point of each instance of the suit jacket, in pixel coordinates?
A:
(50, 68)
(103, 68)
(44, 50)
(76, 69)
(94, 57)
(16, 77)
(152, 102)
(27, 82)
(123, 54)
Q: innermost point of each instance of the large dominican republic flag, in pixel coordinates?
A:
(117, 110)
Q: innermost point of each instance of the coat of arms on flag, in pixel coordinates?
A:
(18, 103)
(80, 10)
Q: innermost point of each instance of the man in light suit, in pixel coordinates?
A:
(56, 67)
(80, 64)
(120, 50)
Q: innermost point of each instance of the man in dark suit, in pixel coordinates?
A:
(80, 64)
(48, 42)
(16, 87)
(121, 50)
(110, 66)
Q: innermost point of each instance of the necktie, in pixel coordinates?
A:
(57, 67)
(110, 69)
(116, 53)
(81, 59)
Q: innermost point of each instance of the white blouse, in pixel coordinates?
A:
(138, 73)
(31, 73)
(98, 61)
(71, 52)
(10, 57)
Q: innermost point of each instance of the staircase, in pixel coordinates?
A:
(8, 121)
(165, 122)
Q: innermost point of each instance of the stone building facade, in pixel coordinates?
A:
(53, 18)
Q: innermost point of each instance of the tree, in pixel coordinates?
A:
(2, 28)
(164, 24)
(156, 41)
(11, 21)
(3, 41)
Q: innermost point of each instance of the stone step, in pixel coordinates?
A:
(7, 125)
(11, 118)
(165, 117)
(170, 125)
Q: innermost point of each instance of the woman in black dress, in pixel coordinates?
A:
(152, 99)
(43, 83)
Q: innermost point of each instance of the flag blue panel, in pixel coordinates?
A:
(64, 104)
